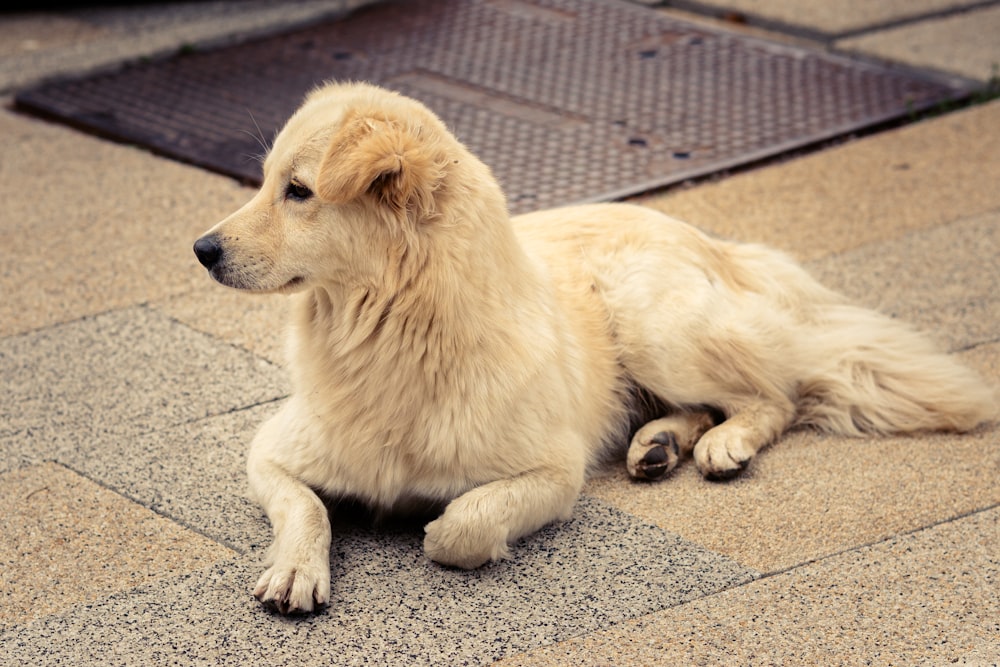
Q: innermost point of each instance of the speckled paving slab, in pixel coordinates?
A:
(927, 598)
(567, 100)
(193, 473)
(393, 606)
(255, 322)
(89, 387)
(941, 280)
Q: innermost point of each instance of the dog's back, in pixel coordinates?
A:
(700, 321)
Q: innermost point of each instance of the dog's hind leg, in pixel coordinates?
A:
(478, 526)
(659, 445)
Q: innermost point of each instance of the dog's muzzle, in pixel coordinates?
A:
(208, 250)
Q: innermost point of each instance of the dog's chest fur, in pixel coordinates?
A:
(405, 399)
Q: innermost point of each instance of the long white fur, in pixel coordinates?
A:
(440, 350)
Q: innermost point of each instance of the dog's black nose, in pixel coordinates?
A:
(208, 250)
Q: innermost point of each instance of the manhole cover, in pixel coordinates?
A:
(567, 100)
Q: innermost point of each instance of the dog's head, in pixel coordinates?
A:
(351, 183)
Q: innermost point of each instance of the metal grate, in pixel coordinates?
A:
(567, 100)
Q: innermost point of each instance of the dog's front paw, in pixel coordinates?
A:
(722, 454)
(465, 543)
(294, 589)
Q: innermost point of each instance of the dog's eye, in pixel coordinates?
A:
(297, 191)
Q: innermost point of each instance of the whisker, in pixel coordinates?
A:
(254, 157)
(259, 137)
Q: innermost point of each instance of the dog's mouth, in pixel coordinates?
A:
(244, 283)
(293, 283)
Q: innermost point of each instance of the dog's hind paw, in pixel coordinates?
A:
(653, 458)
(287, 589)
(658, 446)
(721, 455)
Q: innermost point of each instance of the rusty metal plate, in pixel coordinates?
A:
(567, 100)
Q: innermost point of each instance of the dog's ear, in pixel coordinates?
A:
(381, 157)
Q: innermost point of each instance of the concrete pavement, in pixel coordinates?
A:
(132, 385)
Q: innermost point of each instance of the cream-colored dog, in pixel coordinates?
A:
(442, 351)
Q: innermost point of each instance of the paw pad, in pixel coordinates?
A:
(659, 459)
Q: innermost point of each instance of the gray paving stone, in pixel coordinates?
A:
(194, 473)
(393, 606)
(90, 387)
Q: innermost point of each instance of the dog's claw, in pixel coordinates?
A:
(283, 606)
(723, 475)
(292, 592)
(718, 463)
(276, 606)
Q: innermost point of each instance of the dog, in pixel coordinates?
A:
(441, 351)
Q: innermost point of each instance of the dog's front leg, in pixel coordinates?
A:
(479, 525)
(298, 577)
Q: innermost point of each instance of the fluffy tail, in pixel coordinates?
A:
(872, 374)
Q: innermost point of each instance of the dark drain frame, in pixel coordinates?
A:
(567, 100)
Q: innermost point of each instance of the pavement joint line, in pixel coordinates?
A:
(918, 18)
(910, 233)
(62, 323)
(874, 543)
(161, 429)
(231, 411)
(146, 305)
(215, 415)
(975, 344)
(761, 576)
(737, 18)
(136, 501)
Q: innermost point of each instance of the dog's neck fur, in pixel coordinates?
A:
(457, 316)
